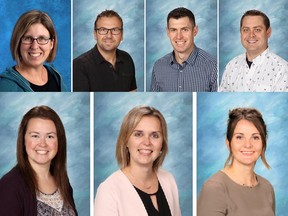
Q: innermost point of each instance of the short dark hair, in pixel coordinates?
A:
(179, 13)
(107, 13)
(255, 117)
(256, 13)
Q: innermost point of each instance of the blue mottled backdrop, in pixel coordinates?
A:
(212, 111)
(60, 13)
(132, 13)
(157, 41)
(230, 13)
(110, 109)
(74, 111)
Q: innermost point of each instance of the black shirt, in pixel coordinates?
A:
(163, 206)
(50, 86)
(91, 72)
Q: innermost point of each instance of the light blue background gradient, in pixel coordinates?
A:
(132, 13)
(157, 41)
(74, 111)
(60, 13)
(212, 111)
(230, 13)
(110, 109)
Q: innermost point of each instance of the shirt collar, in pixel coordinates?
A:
(190, 60)
(260, 58)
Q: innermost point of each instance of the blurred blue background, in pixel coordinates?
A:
(60, 13)
(230, 13)
(132, 13)
(157, 41)
(74, 111)
(110, 109)
(212, 111)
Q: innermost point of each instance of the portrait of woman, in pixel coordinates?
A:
(33, 43)
(38, 184)
(140, 187)
(237, 189)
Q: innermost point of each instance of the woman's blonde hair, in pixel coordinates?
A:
(131, 120)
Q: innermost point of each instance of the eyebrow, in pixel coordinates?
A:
(30, 132)
(243, 134)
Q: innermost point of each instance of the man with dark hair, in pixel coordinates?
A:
(188, 68)
(105, 67)
(259, 69)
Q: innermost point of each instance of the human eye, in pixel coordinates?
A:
(258, 29)
(50, 136)
(244, 29)
(172, 30)
(116, 30)
(42, 39)
(137, 133)
(34, 135)
(239, 137)
(155, 135)
(185, 29)
(27, 39)
(256, 137)
(102, 30)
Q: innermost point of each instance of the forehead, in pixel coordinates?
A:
(37, 28)
(245, 126)
(149, 121)
(39, 123)
(108, 22)
(179, 23)
(253, 21)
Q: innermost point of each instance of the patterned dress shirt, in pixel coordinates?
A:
(197, 74)
(268, 73)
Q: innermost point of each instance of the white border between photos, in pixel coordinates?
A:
(194, 154)
(91, 153)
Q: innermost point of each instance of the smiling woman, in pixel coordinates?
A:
(237, 190)
(38, 184)
(33, 42)
(141, 149)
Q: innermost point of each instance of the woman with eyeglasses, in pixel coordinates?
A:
(33, 42)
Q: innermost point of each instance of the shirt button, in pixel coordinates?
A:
(180, 71)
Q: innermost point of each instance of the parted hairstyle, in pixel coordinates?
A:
(256, 13)
(21, 27)
(108, 13)
(255, 117)
(131, 120)
(58, 164)
(181, 12)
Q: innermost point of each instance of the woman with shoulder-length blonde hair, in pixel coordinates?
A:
(33, 43)
(237, 189)
(38, 184)
(140, 187)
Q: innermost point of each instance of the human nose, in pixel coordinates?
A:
(179, 34)
(43, 141)
(146, 140)
(248, 143)
(251, 33)
(34, 43)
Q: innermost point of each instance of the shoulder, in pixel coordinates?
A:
(263, 181)
(113, 182)
(277, 58)
(165, 59)
(84, 57)
(11, 180)
(124, 55)
(241, 57)
(204, 56)
(165, 177)
(215, 182)
(10, 81)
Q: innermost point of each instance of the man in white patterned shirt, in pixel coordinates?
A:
(259, 69)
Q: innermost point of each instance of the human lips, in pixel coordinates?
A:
(145, 151)
(42, 152)
(248, 153)
(251, 41)
(34, 54)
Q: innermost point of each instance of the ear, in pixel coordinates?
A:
(269, 32)
(227, 144)
(195, 30)
(52, 44)
(95, 35)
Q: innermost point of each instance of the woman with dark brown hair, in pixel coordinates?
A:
(237, 189)
(38, 184)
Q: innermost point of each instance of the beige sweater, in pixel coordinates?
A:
(221, 196)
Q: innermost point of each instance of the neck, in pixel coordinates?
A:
(109, 56)
(243, 175)
(42, 171)
(36, 75)
(252, 55)
(182, 57)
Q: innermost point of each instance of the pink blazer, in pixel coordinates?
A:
(116, 196)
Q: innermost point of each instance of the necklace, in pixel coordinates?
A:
(254, 181)
(147, 187)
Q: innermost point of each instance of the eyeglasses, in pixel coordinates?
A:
(29, 40)
(114, 31)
